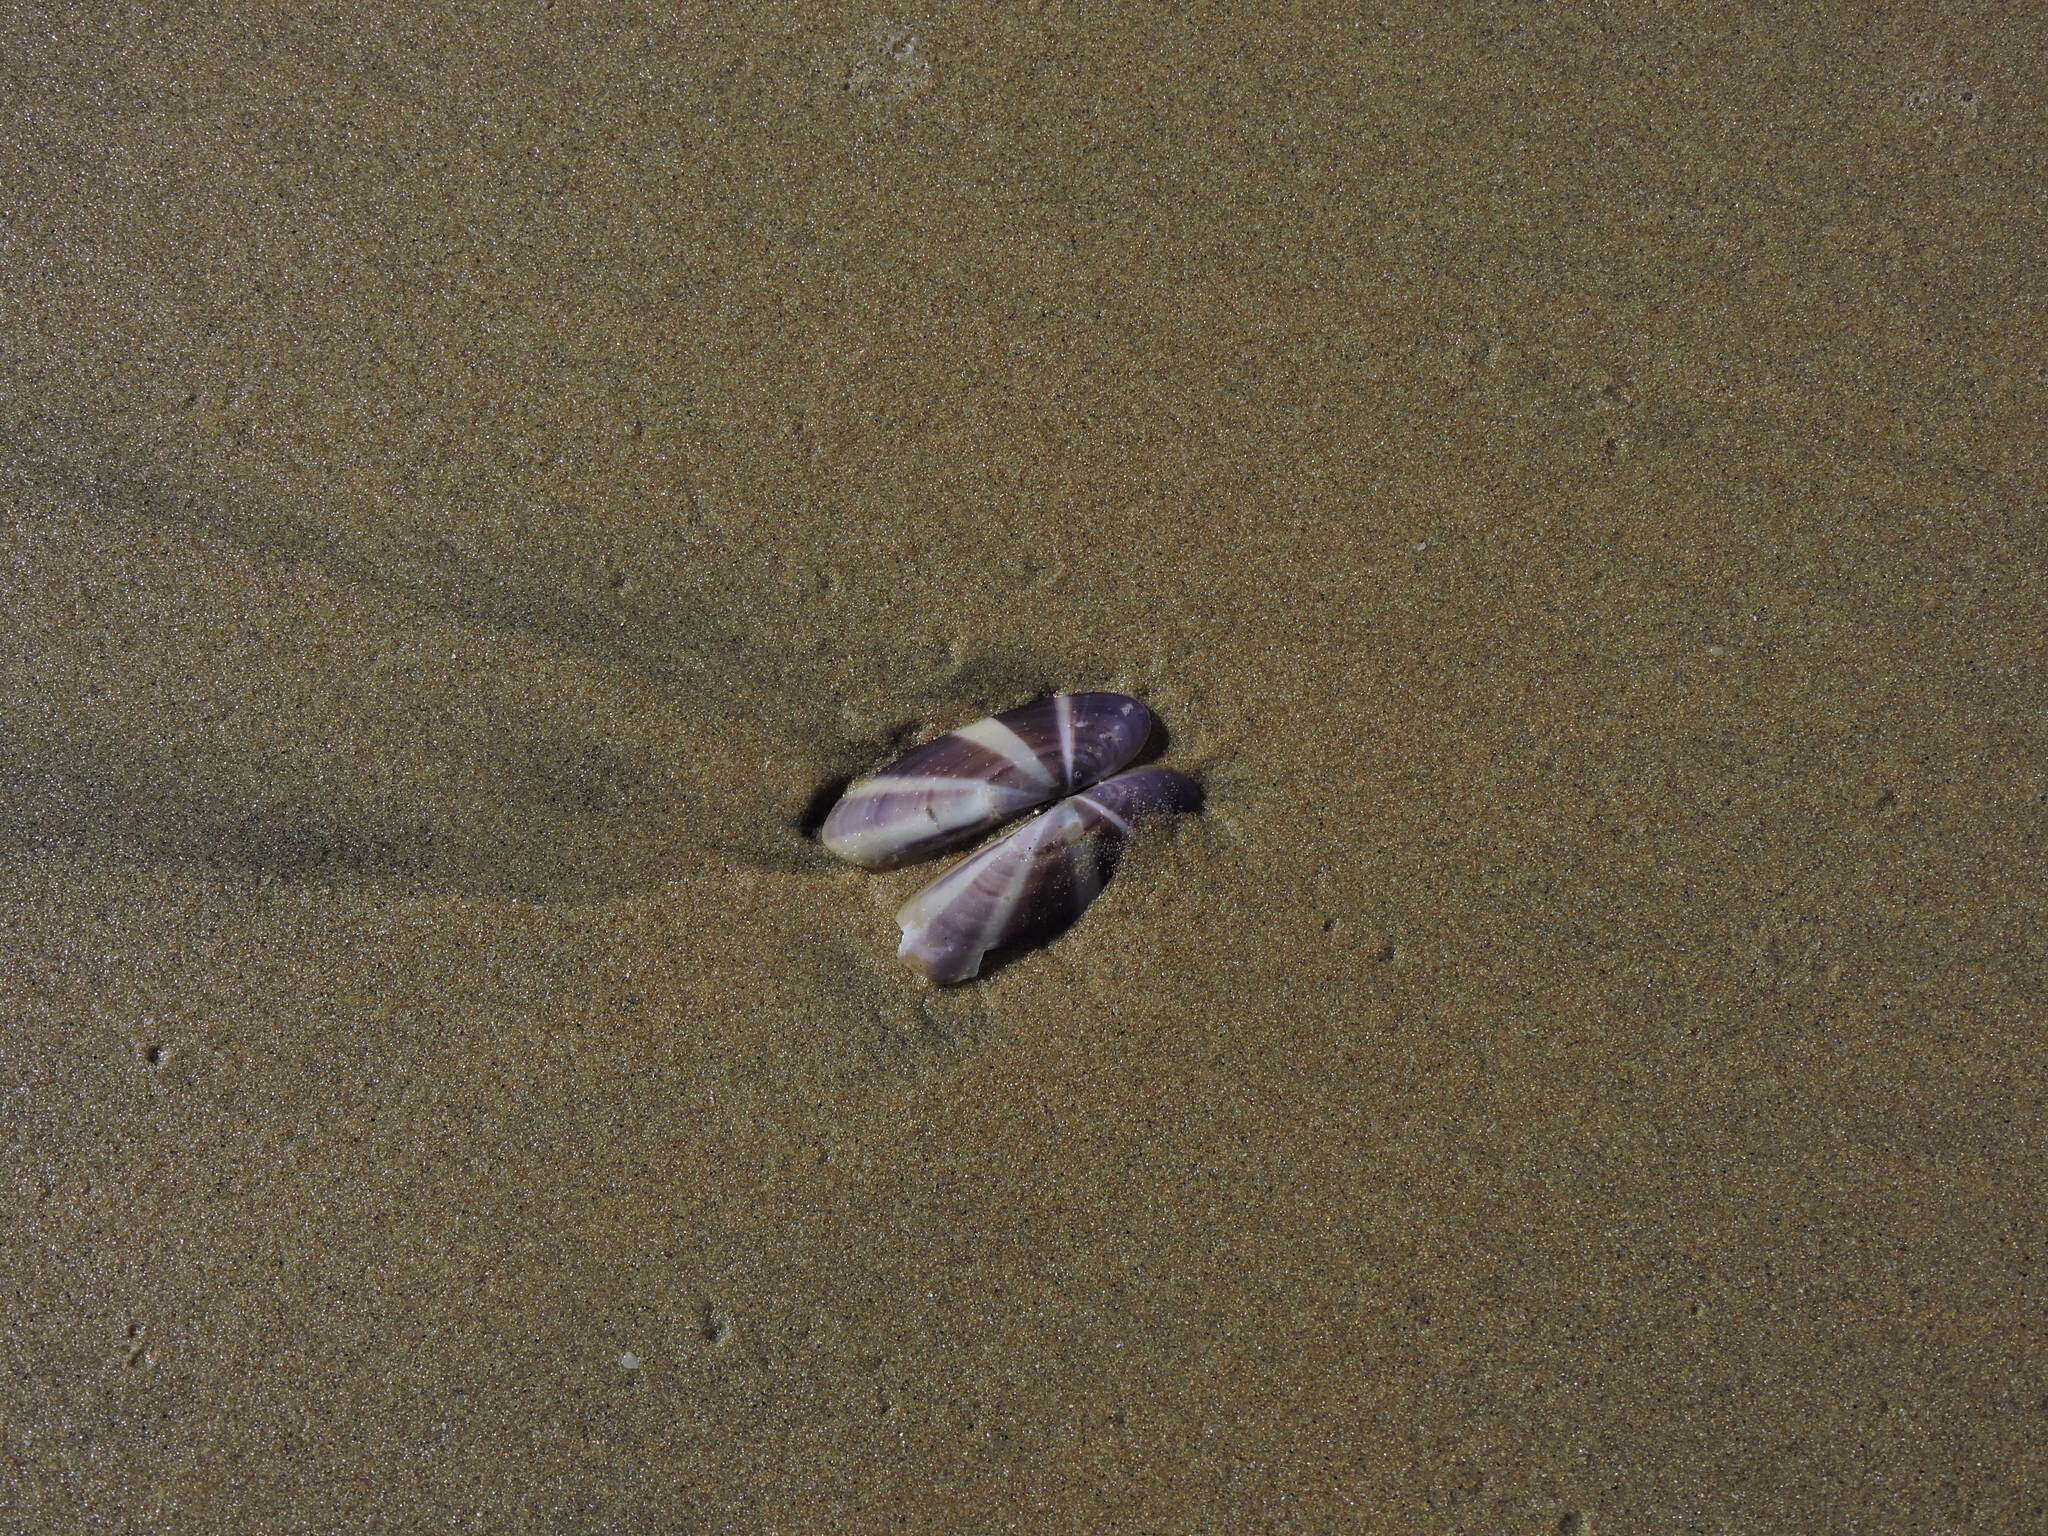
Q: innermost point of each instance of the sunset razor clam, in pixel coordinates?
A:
(1036, 879)
(945, 794)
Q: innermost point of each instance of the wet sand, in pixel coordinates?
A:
(1570, 480)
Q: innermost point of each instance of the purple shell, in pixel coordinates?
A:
(946, 793)
(1036, 879)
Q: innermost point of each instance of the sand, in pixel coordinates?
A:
(1570, 479)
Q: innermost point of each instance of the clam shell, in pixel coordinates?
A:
(1036, 879)
(946, 793)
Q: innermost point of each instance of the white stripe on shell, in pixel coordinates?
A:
(1023, 864)
(1104, 811)
(938, 807)
(918, 784)
(918, 912)
(1087, 872)
(917, 916)
(991, 735)
(1063, 711)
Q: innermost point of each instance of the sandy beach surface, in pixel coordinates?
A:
(1571, 480)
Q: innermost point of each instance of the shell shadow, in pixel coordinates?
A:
(45, 811)
(334, 771)
(811, 820)
(589, 829)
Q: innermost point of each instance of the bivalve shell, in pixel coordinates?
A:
(948, 792)
(1036, 879)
